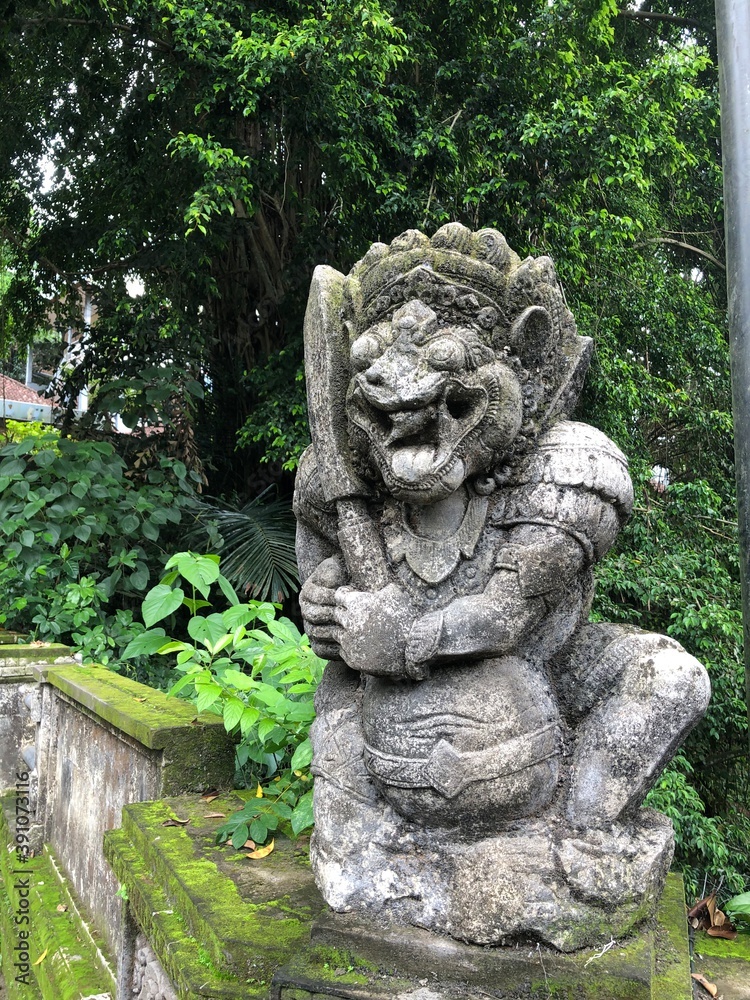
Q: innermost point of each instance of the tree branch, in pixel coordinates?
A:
(123, 29)
(645, 15)
(77, 277)
(686, 246)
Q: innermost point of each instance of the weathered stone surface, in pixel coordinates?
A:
(149, 980)
(20, 706)
(724, 963)
(67, 957)
(220, 924)
(217, 924)
(481, 750)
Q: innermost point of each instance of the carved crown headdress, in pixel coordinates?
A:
(476, 280)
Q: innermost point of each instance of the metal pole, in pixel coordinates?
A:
(733, 41)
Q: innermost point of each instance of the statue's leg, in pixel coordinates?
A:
(632, 697)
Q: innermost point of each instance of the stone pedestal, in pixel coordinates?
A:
(214, 923)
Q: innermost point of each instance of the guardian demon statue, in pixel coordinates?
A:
(481, 750)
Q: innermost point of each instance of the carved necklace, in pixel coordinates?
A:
(434, 559)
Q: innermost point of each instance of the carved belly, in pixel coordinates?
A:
(475, 745)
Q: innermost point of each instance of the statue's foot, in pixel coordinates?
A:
(540, 881)
(624, 864)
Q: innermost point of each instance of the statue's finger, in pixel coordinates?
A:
(343, 596)
(316, 594)
(341, 615)
(317, 614)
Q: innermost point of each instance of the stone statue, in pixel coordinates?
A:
(481, 750)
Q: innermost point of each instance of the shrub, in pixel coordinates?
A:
(80, 542)
(254, 669)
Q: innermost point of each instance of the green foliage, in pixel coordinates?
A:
(221, 151)
(254, 669)
(278, 423)
(675, 570)
(738, 908)
(704, 844)
(16, 430)
(80, 541)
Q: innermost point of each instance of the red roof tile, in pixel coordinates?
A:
(17, 391)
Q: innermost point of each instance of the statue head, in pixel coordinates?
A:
(459, 355)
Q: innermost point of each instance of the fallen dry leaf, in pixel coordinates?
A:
(249, 845)
(262, 852)
(708, 986)
(209, 797)
(726, 932)
(61, 907)
(175, 822)
(215, 816)
(42, 957)
(719, 918)
(140, 699)
(259, 792)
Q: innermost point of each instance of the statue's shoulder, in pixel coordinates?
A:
(578, 455)
(574, 478)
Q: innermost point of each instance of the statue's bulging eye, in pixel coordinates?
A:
(365, 350)
(446, 353)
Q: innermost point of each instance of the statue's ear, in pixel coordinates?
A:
(532, 336)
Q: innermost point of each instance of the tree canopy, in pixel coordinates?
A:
(220, 150)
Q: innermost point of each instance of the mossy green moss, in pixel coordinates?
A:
(46, 652)
(186, 961)
(236, 932)
(721, 948)
(671, 974)
(64, 963)
(15, 990)
(29, 662)
(147, 715)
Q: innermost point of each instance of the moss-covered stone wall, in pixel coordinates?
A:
(258, 929)
(106, 741)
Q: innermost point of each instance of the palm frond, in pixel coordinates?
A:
(255, 541)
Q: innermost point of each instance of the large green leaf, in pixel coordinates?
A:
(145, 644)
(199, 570)
(160, 602)
(302, 817)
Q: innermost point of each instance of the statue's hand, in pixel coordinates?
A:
(374, 629)
(317, 601)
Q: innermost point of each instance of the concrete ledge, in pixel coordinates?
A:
(105, 741)
(147, 715)
(209, 911)
(725, 963)
(23, 662)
